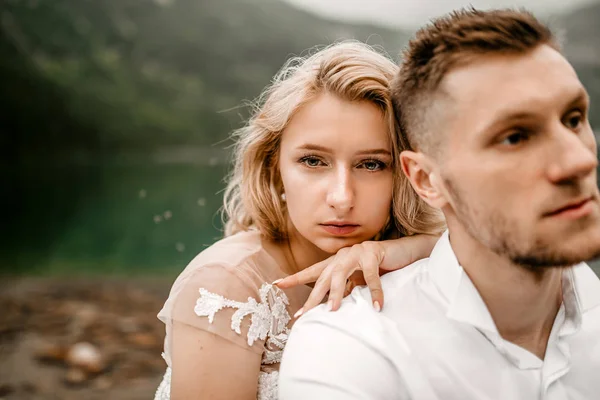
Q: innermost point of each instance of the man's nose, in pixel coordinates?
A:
(574, 155)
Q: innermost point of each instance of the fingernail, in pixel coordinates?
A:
(275, 282)
(376, 306)
(299, 313)
(329, 305)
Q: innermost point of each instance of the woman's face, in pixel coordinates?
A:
(335, 162)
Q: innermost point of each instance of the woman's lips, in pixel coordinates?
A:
(339, 229)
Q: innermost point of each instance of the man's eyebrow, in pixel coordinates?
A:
(581, 97)
(508, 116)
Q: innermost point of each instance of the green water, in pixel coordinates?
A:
(114, 217)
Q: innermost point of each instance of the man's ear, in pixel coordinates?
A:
(420, 171)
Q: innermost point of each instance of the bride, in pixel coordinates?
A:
(315, 172)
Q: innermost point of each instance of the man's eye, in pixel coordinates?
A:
(515, 139)
(574, 121)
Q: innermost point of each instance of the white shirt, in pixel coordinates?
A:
(435, 339)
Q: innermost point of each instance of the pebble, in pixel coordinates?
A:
(75, 376)
(86, 356)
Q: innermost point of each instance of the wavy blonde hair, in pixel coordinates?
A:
(351, 70)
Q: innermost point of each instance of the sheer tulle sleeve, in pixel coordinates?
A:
(215, 333)
(219, 299)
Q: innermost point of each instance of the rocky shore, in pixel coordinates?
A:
(92, 338)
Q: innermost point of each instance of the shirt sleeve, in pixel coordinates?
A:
(327, 358)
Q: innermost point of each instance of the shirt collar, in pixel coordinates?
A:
(581, 289)
(464, 302)
(581, 293)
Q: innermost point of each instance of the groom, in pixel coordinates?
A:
(504, 308)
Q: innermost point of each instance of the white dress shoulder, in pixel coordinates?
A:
(227, 290)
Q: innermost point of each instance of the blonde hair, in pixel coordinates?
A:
(351, 70)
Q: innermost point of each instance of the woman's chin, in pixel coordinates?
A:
(332, 245)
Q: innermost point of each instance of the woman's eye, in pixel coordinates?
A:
(373, 165)
(312, 162)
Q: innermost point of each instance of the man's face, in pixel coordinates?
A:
(519, 159)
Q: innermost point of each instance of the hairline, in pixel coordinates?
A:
(431, 144)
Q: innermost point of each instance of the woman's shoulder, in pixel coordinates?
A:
(224, 291)
(240, 254)
(232, 250)
(235, 265)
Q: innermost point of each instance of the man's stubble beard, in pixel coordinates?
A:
(495, 232)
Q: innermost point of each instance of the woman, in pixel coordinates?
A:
(315, 172)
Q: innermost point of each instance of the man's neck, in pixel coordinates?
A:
(523, 303)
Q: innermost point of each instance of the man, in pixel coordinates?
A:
(504, 308)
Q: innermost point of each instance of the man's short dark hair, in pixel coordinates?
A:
(449, 42)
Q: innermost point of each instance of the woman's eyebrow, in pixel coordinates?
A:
(316, 147)
(375, 151)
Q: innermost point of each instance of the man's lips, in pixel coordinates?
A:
(575, 209)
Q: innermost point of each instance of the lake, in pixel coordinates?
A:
(113, 217)
(126, 215)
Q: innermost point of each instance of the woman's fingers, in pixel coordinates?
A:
(369, 263)
(356, 279)
(332, 275)
(317, 294)
(339, 270)
(339, 278)
(308, 275)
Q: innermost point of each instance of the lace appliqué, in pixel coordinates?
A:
(268, 321)
(268, 318)
(164, 389)
(268, 385)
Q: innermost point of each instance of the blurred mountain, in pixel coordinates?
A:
(138, 74)
(108, 74)
(581, 31)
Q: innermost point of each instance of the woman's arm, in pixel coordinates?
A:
(213, 351)
(207, 366)
(371, 258)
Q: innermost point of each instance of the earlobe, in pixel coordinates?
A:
(419, 170)
(436, 195)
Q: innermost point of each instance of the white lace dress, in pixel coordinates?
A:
(258, 318)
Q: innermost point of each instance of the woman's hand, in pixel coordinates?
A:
(360, 264)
